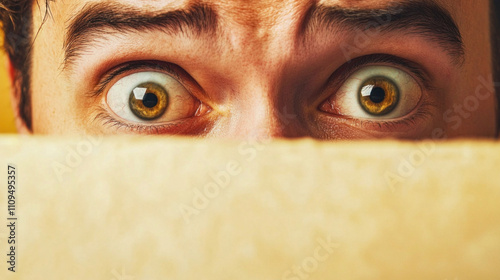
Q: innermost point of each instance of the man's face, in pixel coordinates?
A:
(327, 69)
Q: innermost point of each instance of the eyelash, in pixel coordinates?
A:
(340, 76)
(135, 66)
(423, 111)
(109, 121)
(349, 68)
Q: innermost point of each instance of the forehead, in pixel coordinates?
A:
(241, 11)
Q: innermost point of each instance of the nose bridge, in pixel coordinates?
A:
(262, 54)
(263, 102)
(254, 112)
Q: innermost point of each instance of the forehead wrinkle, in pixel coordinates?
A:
(259, 13)
(259, 28)
(361, 4)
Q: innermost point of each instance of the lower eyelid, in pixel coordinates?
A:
(110, 122)
(422, 114)
(196, 127)
(106, 120)
(418, 119)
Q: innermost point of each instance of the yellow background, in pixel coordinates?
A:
(6, 114)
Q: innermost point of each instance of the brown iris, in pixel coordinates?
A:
(378, 96)
(148, 101)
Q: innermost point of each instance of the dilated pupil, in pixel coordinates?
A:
(150, 100)
(377, 95)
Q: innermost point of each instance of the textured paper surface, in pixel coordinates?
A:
(173, 208)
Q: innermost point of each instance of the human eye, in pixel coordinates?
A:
(380, 98)
(373, 92)
(149, 98)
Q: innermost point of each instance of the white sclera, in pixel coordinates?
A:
(348, 95)
(180, 100)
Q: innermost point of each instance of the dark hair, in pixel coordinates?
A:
(16, 21)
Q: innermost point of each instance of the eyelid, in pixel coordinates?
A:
(405, 94)
(345, 71)
(340, 76)
(109, 119)
(179, 127)
(136, 66)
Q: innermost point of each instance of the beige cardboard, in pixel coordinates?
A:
(153, 208)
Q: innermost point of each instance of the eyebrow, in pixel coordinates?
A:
(421, 18)
(98, 20)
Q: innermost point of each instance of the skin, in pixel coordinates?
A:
(258, 78)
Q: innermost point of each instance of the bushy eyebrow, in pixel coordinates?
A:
(423, 18)
(100, 19)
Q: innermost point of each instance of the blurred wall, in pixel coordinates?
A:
(6, 114)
